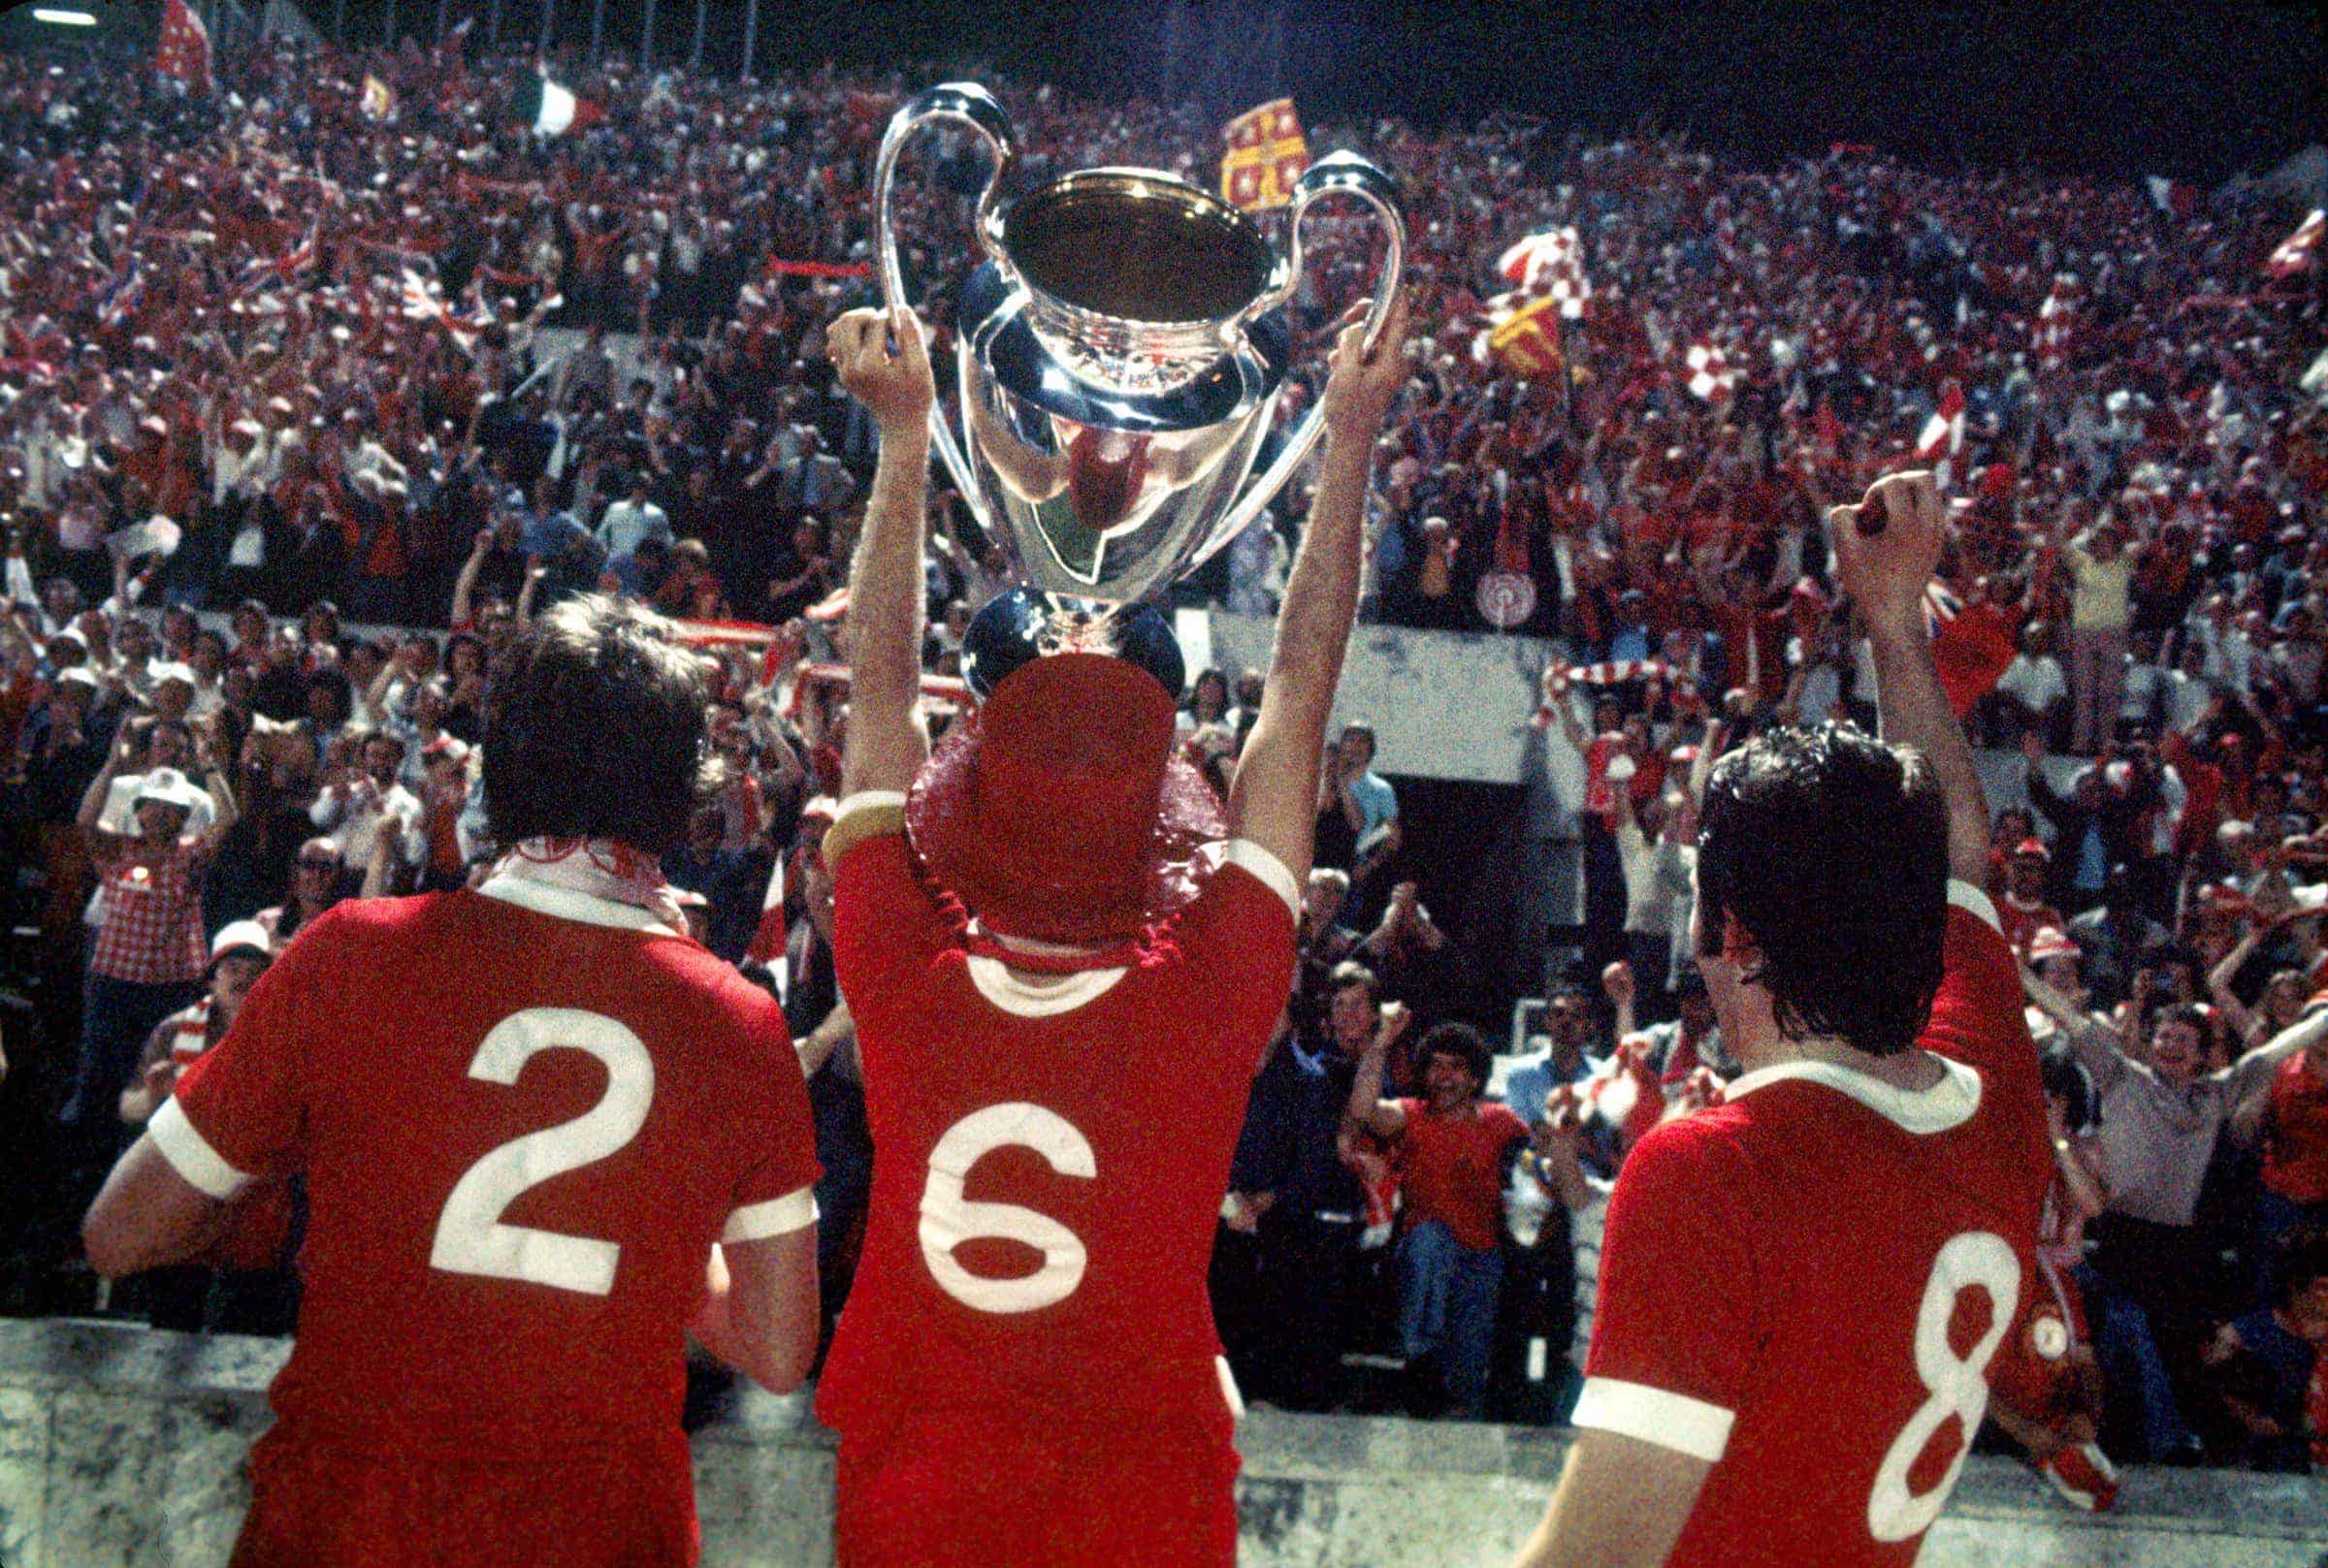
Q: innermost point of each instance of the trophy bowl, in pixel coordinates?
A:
(1119, 355)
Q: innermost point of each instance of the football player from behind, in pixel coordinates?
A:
(543, 1132)
(1063, 959)
(1803, 1288)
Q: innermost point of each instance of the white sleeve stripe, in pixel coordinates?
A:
(1271, 871)
(1972, 900)
(866, 800)
(190, 1154)
(1673, 1420)
(777, 1217)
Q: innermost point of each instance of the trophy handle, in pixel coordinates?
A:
(964, 103)
(1337, 173)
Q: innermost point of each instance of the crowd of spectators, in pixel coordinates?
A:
(272, 360)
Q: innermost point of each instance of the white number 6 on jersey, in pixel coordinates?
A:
(947, 1219)
(471, 1237)
(1974, 1259)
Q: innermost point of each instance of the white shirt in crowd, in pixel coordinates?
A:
(625, 523)
(2035, 682)
(357, 816)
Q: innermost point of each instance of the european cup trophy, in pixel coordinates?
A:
(1121, 354)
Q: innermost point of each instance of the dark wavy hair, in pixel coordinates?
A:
(1463, 1042)
(1830, 848)
(594, 728)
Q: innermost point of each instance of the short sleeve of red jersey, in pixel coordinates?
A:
(1239, 934)
(776, 1141)
(240, 1111)
(1674, 1343)
(1977, 1015)
(885, 922)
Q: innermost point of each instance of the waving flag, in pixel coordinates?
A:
(2299, 251)
(1711, 376)
(1550, 263)
(1522, 336)
(561, 111)
(1266, 154)
(1943, 434)
(184, 49)
(2056, 322)
(1971, 647)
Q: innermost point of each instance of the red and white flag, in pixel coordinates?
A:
(2299, 251)
(1549, 264)
(771, 936)
(2057, 323)
(1943, 434)
(1711, 376)
(184, 49)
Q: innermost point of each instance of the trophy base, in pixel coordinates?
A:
(1022, 625)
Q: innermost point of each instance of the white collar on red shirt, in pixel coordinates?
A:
(1025, 995)
(594, 880)
(1946, 1105)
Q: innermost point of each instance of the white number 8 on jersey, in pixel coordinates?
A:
(1974, 1259)
(947, 1219)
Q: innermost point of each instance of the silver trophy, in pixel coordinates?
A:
(1120, 352)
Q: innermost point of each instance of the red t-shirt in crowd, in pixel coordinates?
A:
(522, 1125)
(1049, 1160)
(1805, 1285)
(2021, 922)
(2295, 1143)
(1451, 1168)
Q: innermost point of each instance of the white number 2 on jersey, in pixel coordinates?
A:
(947, 1219)
(471, 1237)
(1973, 1261)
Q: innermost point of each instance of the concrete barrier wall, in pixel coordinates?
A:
(123, 1449)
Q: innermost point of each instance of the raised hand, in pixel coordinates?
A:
(1359, 385)
(892, 382)
(1887, 571)
(1616, 982)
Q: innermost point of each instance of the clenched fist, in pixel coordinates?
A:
(892, 380)
(1888, 547)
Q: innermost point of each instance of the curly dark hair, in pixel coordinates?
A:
(1830, 848)
(1463, 1042)
(594, 728)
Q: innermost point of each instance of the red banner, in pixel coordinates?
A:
(779, 268)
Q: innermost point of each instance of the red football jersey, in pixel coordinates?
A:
(521, 1131)
(1049, 1160)
(1806, 1284)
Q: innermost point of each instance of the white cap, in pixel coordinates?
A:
(240, 936)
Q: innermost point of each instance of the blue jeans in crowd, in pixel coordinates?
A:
(1447, 1302)
(2123, 1342)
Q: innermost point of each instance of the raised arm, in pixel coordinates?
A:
(1886, 574)
(2260, 1064)
(1274, 797)
(463, 612)
(2095, 1044)
(888, 742)
(1384, 1118)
